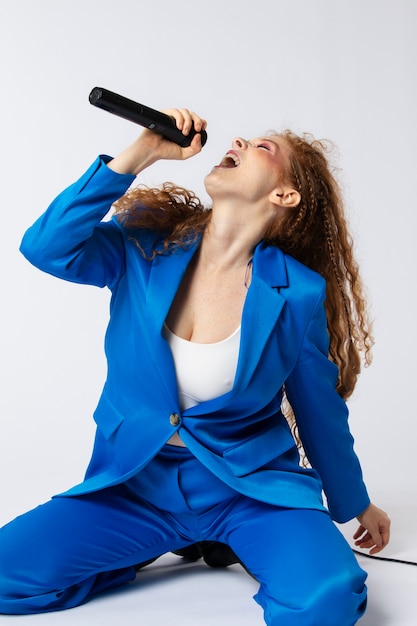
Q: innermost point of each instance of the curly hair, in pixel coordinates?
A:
(174, 212)
(315, 233)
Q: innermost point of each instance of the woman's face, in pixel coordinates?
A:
(250, 170)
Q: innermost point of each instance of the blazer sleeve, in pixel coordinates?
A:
(70, 240)
(322, 419)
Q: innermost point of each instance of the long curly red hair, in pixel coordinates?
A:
(316, 233)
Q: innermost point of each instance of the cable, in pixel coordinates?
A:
(384, 558)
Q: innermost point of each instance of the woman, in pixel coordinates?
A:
(215, 326)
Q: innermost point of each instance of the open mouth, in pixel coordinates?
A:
(230, 160)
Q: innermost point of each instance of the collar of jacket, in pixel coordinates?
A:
(262, 308)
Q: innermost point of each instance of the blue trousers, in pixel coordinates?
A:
(65, 551)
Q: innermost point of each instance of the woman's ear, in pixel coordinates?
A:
(285, 197)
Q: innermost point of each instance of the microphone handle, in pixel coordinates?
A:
(145, 116)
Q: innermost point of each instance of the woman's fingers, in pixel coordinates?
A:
(185, 119)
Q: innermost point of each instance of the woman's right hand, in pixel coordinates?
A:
(150, 147)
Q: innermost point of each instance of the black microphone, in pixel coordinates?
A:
(140, 114)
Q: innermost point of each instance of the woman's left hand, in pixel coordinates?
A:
(374, 529)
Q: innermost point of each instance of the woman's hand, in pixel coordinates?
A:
(150, 147)
(374, 529)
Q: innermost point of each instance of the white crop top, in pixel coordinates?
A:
(204, 370)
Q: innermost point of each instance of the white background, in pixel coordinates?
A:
(341, 69)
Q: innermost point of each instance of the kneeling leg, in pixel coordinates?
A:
(307, 572)
(69, 549)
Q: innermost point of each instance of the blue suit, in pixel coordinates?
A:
(241, 437)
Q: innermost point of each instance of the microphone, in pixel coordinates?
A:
(156, 121)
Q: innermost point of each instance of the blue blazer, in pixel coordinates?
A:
(242, 435)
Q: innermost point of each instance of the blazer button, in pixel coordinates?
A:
(174, 419)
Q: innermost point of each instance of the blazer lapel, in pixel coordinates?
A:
(262, 308)
(165, 277)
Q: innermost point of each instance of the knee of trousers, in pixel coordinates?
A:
(30, 583)
(21, 576)
(23, 589)
(44, 584)
(333, 603)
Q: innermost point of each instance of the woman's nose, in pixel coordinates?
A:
(238, 142)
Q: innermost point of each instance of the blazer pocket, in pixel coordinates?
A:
(106, 416)
(252, 453)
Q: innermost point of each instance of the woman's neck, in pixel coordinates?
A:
(224, 249)
(228, 242)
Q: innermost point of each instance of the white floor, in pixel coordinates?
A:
(178, 593)
(392, 586)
